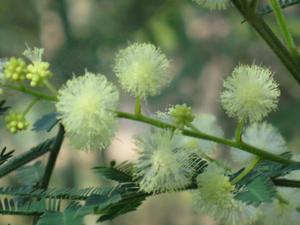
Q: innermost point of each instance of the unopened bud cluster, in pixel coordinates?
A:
(37, 73)
(16, 122)
(182, 115)
(15, 69)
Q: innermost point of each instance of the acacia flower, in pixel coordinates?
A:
(163, 165)
(250, 93)
(261, 135)
(213, 4)
(279, 213)
(142, 70)
(215, 197)
(207, 124)
(86, 104)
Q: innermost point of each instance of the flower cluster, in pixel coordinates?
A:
(37, 72)
(142, 70)
(163, 163)
(16, 122)
(87, 106)
(15, 69)
(215, 197)
(181, 114)
(250, 93)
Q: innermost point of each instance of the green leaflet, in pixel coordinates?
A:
(46, 122)
(121, 173)
(68, 217)
(5, 155)
(29, 207)
(261, 189)
(31, 174)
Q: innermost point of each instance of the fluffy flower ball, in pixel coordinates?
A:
(142, 70)
(250, 93)
(163, 165)
(215, 197)
(261, 135)
(86, 104)
(213, 4)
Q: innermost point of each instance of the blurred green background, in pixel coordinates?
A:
(203, 46)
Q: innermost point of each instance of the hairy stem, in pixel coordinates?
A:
(281, 21)
(192, 133)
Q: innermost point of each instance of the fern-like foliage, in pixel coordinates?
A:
(68, 217)
(5, 155)
(31, 207)
(267, 9)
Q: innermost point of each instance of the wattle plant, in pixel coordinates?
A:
(177, 153)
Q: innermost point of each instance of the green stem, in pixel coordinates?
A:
(243, 146)
(29, 92)
(239, 131)
(31, 104)
(50, 87)
(281, 21)
(53, 157)
(26, 157)
(257, 22)
(138, 107)
(286, 182)
(246, 171)
(51, 163)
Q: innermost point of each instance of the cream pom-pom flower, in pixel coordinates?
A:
(261, 135)
(213, 4)
(142, 69)
(250, 93)
(279, 213)
(207, 124)
(163, 165)
(215, 198)
(86, 105)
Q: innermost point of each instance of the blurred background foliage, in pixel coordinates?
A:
(204, 46)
